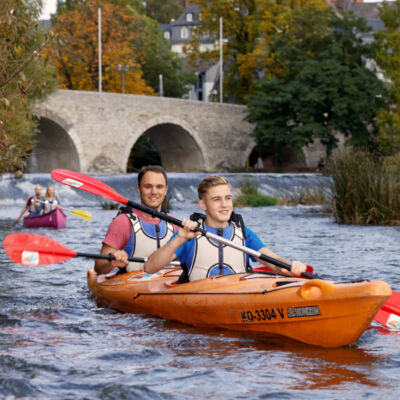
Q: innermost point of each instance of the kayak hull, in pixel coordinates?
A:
(54, 219)
(317, 312)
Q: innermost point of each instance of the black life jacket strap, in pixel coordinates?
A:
(128, 211)
(184, 276)
(158, 236)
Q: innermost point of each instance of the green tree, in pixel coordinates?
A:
(247, 28)
(163, 10)
(325, 89)
(25, 77)
(155, 57)
(388, 59)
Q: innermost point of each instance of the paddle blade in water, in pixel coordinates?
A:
(31, 249)
(87, 183)
(82, 214)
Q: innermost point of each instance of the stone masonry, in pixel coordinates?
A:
(95, 132)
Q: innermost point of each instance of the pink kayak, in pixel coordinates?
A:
(54, 219)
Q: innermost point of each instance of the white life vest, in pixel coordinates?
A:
(49, 205)
(143, 244)
(206, 256)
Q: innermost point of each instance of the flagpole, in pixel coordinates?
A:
(99, 41)
(221, 71)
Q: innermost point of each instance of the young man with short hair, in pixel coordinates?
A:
(202, 257)
(134, 233)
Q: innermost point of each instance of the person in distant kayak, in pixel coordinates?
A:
(50, 201)
(33, 204)
(136, 234)
(200, 256)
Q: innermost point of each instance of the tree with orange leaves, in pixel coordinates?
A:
(75, 53)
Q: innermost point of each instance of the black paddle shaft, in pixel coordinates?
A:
(155, 213)
(109, 257)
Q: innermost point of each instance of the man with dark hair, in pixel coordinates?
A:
(134, 233)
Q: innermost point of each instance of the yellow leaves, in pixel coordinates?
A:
(5, 102)
(76, 52)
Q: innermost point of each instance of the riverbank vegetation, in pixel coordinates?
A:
(250, 196)
(366, 188)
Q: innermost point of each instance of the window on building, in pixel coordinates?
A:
(184, 33)
(167, 35)
(189, 17)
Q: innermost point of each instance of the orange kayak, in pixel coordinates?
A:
(317, 312)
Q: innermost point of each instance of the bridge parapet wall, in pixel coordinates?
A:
(105, 126)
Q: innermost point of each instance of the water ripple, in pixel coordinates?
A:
(56, 343)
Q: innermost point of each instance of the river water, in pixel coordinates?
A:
(56, 343)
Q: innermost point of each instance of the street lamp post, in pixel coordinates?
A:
(123, 69)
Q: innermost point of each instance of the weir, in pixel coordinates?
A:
(182, 186)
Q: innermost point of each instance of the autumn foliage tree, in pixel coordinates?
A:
(75, 53)
(24, 78)
(247, 28)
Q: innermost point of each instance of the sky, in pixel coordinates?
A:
(49, 7)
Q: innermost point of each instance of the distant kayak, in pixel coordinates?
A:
(54, 219)
(317, 312)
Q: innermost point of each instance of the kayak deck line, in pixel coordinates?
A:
(317, 312)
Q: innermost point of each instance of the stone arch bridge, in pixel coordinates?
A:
(95, 132)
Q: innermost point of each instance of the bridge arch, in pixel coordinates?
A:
(178, 144)
(54, 148)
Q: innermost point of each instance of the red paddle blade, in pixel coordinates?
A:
(30, 249)
(389, 314)
(87, 183)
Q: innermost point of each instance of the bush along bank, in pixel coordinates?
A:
(366, 189)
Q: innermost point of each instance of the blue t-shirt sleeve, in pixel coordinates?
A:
(181, 251)
(252, 240)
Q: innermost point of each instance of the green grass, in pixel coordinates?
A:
(251, 198)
